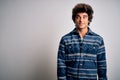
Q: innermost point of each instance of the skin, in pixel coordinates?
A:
(81, 22)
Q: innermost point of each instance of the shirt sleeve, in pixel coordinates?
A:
(61, 66)
(101, 62)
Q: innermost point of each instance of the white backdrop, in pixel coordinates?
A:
(30, 31)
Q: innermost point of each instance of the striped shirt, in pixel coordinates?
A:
(81, 58)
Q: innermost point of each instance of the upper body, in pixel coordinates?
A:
(81, 53)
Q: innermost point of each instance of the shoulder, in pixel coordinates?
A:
(67, 36)
(97, 36)
(70, 35)
(99, 39)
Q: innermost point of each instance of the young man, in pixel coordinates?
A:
(81, 54)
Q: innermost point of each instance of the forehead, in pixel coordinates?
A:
(82, 14)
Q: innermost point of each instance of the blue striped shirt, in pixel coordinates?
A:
(81, 59)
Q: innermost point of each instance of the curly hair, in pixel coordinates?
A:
(82, 7)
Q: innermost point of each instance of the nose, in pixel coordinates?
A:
(81, 19)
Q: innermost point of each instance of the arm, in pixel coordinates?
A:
(61, 66)
(101, 62)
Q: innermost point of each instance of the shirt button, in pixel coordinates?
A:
(93, 47)
(69, 46)
(80, 46)
(80, 64)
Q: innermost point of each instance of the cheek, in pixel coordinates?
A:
(87, 21)
(76, 21)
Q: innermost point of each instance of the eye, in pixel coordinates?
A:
(85, 16)
(77, 17)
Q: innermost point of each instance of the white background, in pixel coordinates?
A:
(30, 31)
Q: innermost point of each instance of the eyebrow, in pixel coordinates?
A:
(79, 15)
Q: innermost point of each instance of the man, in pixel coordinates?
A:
(81, 54)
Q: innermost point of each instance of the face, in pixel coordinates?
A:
(81, 20)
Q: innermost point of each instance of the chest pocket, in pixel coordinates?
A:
(73, 48)
(92, 49)
(72, 54)
(90, 56)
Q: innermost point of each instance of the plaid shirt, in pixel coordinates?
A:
(81, 59)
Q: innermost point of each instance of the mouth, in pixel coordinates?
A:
(81, 23)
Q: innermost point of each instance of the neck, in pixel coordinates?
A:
(82, 32)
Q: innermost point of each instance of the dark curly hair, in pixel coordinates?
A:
(82, 7)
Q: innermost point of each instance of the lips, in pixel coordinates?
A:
(81, 23)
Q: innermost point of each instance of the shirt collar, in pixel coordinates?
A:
(90, 32)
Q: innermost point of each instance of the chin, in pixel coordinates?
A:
(81, 27)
